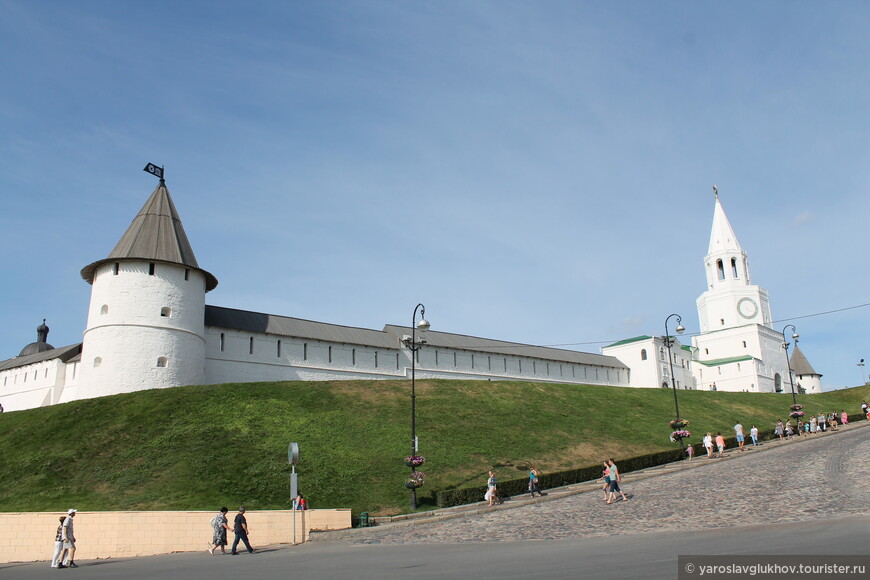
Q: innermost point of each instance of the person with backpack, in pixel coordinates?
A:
(219, 532)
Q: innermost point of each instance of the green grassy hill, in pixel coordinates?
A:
(206, 446)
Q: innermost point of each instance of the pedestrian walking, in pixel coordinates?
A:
(708, 444)
(69, 540)
(533, 482)
(240, 529)
(814, 424)
(753, 433)
(788, 429)
(58, 546)
(720, 443)
(863, 407)
(615, 478)
(491, 495)
(606, 478)
(823, 423)
(690, 451)
(219, 532)
(844, 418)
(779, 430)
(738, 432)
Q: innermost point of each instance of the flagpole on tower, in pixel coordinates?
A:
(156, 171)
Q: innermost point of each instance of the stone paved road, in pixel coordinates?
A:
(818, 477)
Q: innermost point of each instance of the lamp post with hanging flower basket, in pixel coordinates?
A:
(785, 345)
(669, 342)
(796, 413)
(414, 346)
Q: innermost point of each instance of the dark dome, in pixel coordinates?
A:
(41, 344)
(35, 348)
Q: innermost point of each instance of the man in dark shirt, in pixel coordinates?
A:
(240, 528)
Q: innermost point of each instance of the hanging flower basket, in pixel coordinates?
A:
(416, 480)
(680, 434)
(796, 414)
(796, 408)
(414, 461)
(678, 424)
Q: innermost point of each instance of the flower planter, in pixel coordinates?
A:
(413, 484)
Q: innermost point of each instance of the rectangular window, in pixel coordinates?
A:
(376, 359)
(151, 269)
(186, 274)
(436, 358)
(330, 354)
(304, 351)
(472, 361)
(116, 268)
(279, 349)
(397, 361)
(454, 359)
(353, 356)
(251, 345)
(222, 345)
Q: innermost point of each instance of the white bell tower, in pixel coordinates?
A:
(737, 350)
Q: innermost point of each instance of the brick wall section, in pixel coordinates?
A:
(29, 536)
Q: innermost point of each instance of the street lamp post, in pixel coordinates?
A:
(669, 341)
(414, 347)
(785, 345)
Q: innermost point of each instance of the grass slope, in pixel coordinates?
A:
(204, 446)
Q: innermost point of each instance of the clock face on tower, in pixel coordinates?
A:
(747, 308)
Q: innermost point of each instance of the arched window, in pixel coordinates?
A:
(97, 362)
(661, 353)
(643, 354)
(734, 267)
(720, 269)
(104, 309)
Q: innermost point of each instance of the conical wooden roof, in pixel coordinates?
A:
(157, 235)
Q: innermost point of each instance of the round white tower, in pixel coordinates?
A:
(146, 317)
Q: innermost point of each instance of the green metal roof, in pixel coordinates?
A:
(724, 361)
(629, 341)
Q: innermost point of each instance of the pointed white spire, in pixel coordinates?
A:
(722, 238)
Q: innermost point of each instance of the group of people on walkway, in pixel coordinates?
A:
(611, 479)
(220, 525)
(65, 543)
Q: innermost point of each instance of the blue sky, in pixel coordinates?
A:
(539, 172)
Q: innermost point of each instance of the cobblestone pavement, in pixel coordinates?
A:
(822, 476)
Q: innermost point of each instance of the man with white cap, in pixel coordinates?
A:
(69, 541)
